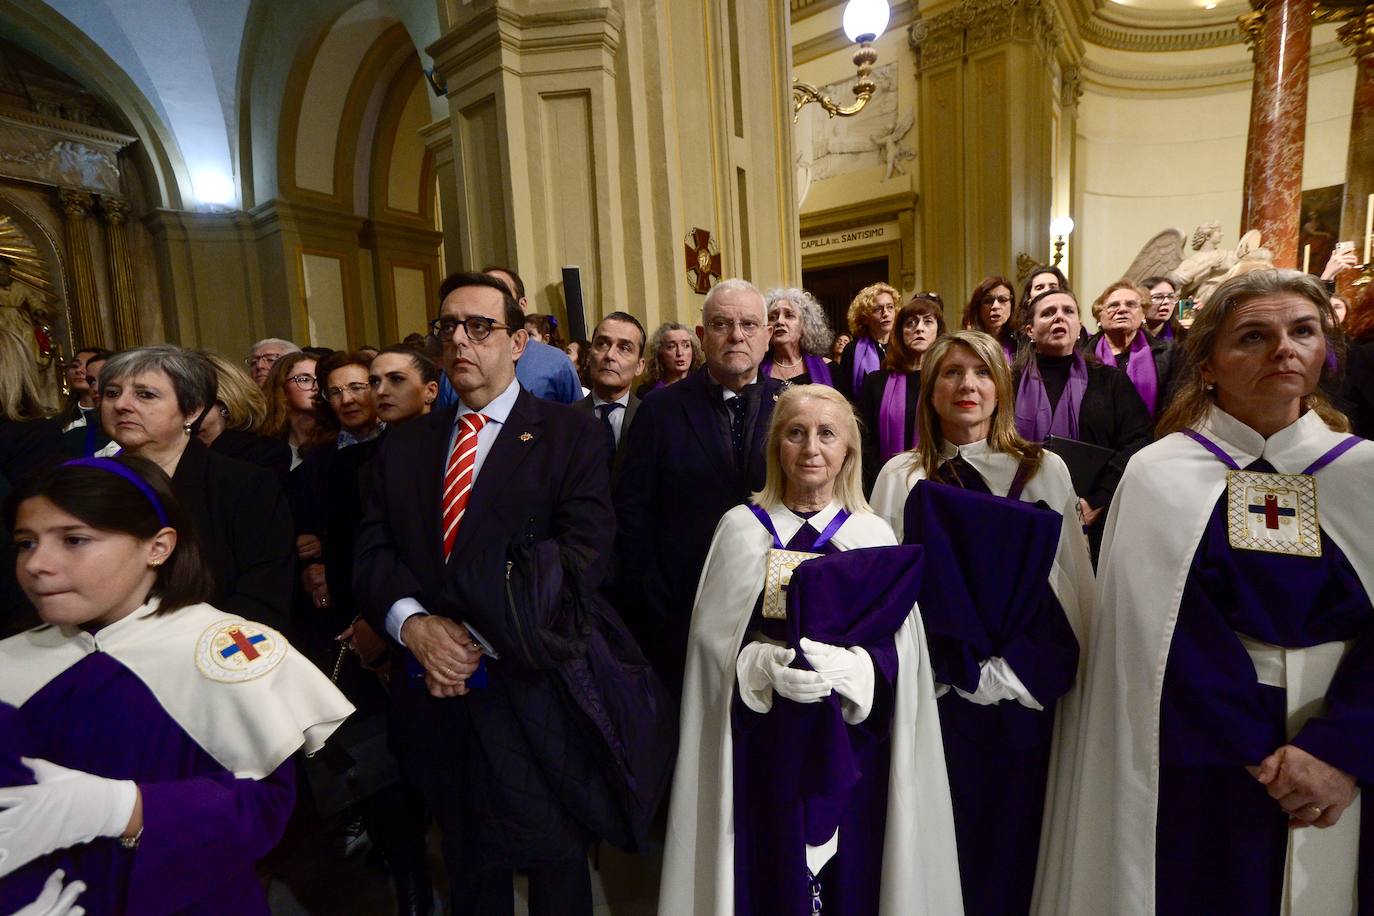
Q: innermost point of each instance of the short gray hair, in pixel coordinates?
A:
(286, 345)
(732, 285)
(816, 336)
(193, 378)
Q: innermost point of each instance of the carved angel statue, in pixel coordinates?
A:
(1199, 274)
(890, 148)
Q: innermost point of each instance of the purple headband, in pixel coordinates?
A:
(129, 474)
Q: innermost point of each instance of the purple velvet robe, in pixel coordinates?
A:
(977, 604)
(1221, 840)
(800, 770)
(203, 828)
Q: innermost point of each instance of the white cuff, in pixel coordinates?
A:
(817, 856)
(996, 683)
(400, 612)
(755, 686)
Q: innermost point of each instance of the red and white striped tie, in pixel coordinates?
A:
(458, 476)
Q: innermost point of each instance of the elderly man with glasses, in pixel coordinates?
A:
(264, 356)
(694, 452)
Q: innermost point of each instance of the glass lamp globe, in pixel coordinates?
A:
(865, 20)
(1061, 225)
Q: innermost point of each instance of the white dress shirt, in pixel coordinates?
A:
(617, 417)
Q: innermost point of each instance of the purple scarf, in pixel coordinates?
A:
(892, 418)
(1035, 419)
(815, 368)
(1140, 370)
(1010, 352)
(866, 359)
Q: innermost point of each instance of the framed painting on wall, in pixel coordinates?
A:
(1320, 227)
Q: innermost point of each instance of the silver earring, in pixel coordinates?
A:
(1210, 386)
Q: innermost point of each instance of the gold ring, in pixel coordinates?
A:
(1316, 808)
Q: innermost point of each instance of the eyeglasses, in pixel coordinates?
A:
(884, 308)
(1124, 305)
(1163, 297)
(304, 382)
(264, 358)
(477, 328)
(357, 389)
(1001, 300)
(723, 326)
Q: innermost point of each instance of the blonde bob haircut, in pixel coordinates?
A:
(240, 395)
(849, 489)
(861, 309)
(1192, 400)
(1003, 436)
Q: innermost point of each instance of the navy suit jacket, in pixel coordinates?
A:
(545, 477)
(676, 481)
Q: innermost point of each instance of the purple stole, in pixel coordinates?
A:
(815, 367)
(1036, 420)
(892, 418)
(866, 359)
(1010, 351)
(1140, 370)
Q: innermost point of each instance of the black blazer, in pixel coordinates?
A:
(676, 482)
(244, 526)
(529, 782)
(631, 409)
(1163, 353)
(1358, 394)
(272, 454)
(1112, 416)
(544, 478)
(867, 406)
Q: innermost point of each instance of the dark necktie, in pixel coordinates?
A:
(605, 410)
(959, 473)
(737, 407)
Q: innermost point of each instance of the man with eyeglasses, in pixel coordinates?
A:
(264, 356)
(491, 742)
(694, 452)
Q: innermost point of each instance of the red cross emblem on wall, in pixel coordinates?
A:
(703, 260)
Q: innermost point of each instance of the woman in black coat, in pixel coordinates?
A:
(1062, 393)
(1124, 343)
(231, 426)
(152, 401)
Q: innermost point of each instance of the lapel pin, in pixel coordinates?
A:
(525, 437)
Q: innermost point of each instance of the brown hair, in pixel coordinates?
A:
(1192, 399)
(972, 319)
(899, 358)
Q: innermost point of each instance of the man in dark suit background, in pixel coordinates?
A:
(695, 451)
(616, 358)
(492, 745)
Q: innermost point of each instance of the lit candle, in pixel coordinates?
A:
(1368, 226)
(1306, 258)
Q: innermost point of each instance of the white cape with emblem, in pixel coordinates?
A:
(1156, 522)
(248, 713)
(920, 865)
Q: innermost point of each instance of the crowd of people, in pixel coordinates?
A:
(891, 618)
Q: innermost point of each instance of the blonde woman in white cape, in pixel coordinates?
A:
(1229, 708)
(1010, 724)
(893, 852)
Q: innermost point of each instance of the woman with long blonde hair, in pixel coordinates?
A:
(1006, 600)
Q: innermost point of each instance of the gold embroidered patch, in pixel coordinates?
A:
(238, 651)
(1274, 513)
(779, 576)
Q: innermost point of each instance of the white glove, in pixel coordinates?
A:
(849, 672)
(56, 900)
(997, 682)
(762, 665)
(65, 808)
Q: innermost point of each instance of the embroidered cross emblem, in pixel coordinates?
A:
(1271, 510)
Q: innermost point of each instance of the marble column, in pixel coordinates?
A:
(1358, 34)
(1278, 126)
(76, 208)
(121, 272)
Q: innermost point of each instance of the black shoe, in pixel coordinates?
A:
(413, 894)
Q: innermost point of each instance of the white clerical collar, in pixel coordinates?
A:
(500, 407)
(974, 449)
(997, 468)
(1289, 451)
(788, 523)
(623, 400)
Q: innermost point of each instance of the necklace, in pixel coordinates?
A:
(791, 365)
